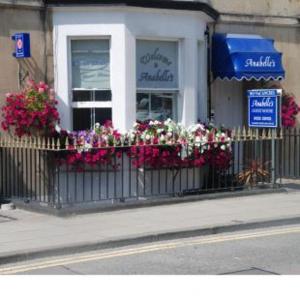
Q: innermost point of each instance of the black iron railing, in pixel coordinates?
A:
(37, 172)
(291, 153)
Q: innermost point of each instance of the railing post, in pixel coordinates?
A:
(273, 158)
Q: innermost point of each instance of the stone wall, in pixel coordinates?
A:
(24, 3)
(23, 16)
(258, 7)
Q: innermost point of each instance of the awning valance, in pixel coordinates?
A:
(239, 56)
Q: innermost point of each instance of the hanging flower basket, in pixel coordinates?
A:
(31, 112)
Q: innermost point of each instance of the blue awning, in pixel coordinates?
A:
(239, 56)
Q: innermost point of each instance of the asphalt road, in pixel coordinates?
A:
(261, 252)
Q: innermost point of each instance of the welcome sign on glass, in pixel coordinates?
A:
(157, 64)
(263, 108)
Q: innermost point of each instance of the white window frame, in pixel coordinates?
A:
(87, 104)
(175, 91)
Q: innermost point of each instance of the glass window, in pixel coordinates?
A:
(157, 64)
(143, 106)
(156, 106)
(91, 94)
(162, 106)
(102, 115)
(81, 118)
(84, 117)
(157, 80)
(90, 64)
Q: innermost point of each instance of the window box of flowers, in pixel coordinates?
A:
(154, 158)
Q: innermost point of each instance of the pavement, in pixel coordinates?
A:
(25, 235)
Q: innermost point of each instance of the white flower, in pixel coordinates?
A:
(148, 137)
(195, 127)
(57, 128)
(192, 128)
(151, 123)
(223, 147)
(170, 134)
(198, 139)
(97, 125)
(87, 146)
(162, 138)
(156, 122)
(204, 139)
(122, 132)
(201, 127)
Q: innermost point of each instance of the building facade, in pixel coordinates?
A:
(151, 63)
(129, 60)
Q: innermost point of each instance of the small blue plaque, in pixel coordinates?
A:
(22, 45)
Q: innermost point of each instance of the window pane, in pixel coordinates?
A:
(85, 118)
(102, 115)
(142, 107)
(82, 96)
(162, 106)
(90, 64)
(81, 118)
(157, 64)
(103, 95)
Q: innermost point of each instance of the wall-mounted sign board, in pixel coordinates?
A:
(22, 45)
(263, 108)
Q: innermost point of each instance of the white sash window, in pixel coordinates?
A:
(91, 93)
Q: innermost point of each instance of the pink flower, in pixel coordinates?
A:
(25, 112)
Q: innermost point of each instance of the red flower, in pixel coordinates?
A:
(289, 111)
(30, 110)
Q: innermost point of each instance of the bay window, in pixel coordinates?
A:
(157, 80)
(91, 93)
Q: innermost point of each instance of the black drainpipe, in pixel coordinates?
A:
(209, 77)
(208, 43)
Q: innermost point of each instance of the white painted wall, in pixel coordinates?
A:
(123, 26)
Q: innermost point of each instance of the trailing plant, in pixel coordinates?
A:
(289, 107)
(289, 110)
(31, 112)
(151, 144)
